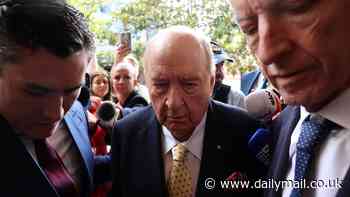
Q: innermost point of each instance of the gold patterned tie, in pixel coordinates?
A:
(180, 181)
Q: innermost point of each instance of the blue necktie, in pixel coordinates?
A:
(313, 132)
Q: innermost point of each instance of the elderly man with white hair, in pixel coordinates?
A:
(184, 141)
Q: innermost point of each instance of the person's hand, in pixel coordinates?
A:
(119, 106)
(92, 121)
(95, 103)
(121, 51)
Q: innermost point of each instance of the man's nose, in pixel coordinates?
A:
(219, 71)
(53, 110)
(219, 74)
(273, 42)
(174, 98)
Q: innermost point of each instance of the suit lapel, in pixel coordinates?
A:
(283, 127)
(254, 79)
(212, 154)
(224, 153)
(151, 152)
(218, 157)
(76, 123)
(29, 172)
(279, 166)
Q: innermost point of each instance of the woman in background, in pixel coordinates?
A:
(124, 80)
(100, 90)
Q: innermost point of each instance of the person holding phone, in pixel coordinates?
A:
(123, 47)
(123, 54)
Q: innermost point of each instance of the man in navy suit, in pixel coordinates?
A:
(180, 78)
(44, 49)
(253, 80)
(304, 50)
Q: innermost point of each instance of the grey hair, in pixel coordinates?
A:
(131, 58)
(125, 65)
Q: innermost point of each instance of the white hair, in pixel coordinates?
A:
(203, 40)
(126, 65)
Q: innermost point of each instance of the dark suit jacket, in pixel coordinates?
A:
(133, 103)
(21, 174)
(248, 80)
(282, 128)
(135, 100)
(138, 166)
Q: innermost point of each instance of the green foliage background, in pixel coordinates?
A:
(211, 16)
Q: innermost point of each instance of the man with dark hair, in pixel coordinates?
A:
(45, 46)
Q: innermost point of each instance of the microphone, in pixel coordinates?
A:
(84, 97)
(260, 145)
(107, 115)
(263, 104)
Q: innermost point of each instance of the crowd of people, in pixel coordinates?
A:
(185, 132)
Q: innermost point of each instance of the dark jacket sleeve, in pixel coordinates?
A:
(102, 169)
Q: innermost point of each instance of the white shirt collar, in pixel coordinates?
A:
(303, 114)
(194, 144)
(338, 110)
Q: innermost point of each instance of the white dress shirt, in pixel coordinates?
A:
(332, 161)
(194, 146)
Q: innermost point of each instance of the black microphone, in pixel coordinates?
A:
(84, 97)
(263, 104)
(107, 114)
